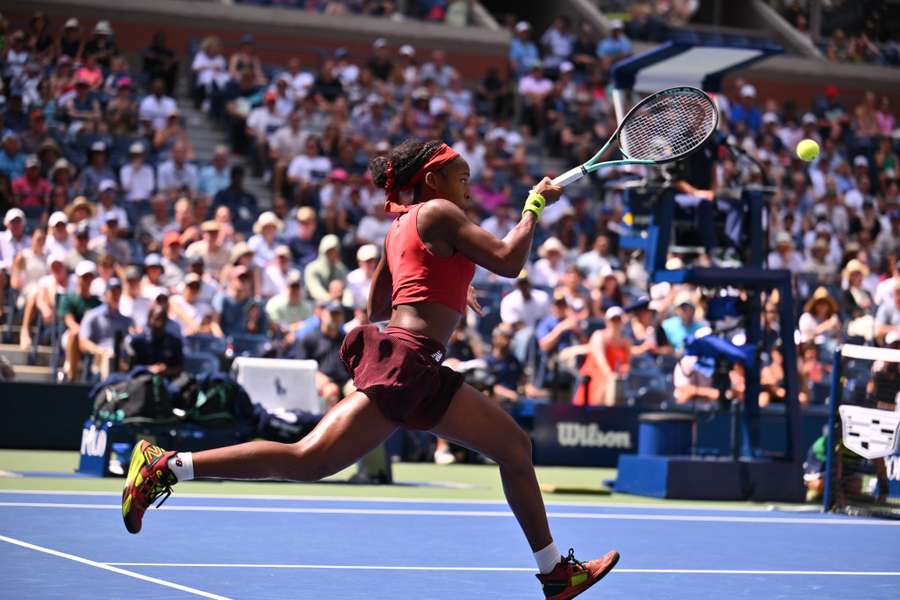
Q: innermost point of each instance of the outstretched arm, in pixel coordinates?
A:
(504, 257)
(379, 305)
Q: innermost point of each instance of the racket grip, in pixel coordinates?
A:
(570, 176)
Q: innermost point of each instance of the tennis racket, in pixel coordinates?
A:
(664, 127)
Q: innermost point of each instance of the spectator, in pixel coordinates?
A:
(784, 256)
(172, 261)
(558, 42)
(324, 269)
(71, 43)
(523, 53)
(102, 328)
(71, 310)
(380, 64)
(265, 238)
(560, 330)
(262, 122)
(307, 171)
(607, 362)
(159, 62)
(138, 178)
(745, 112)
(647, 338)
(210, 71)
(509, 376)
(240, 202)
(617, 45)
(43, 301)
(96, 172)
(176, 174)
(820, 320)
(156, 106)
(693, 381)
(548, 270)
(215, 176)
(323, 345)
(289, 307)
(81, 250)
(373, 228)
(245, 60)
(304, 246)
(190, 312)
(13, 240)
(276, 273)
(59, 242)
(157, 349)
(109, 242)
(359, 280)
(215, 254)
(887, 319)
(101, 46)
(31, 190)
(683, 326)
(172, 133)
(12, 160)
(524, 305)
(152, 284)
(133, 304)
(233, 307)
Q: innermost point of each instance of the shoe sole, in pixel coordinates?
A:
(590, 584)
(132, 481)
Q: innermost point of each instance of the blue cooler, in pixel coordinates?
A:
(665, 434)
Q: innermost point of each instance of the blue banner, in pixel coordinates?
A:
(583, 436)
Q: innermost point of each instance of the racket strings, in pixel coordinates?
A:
(668, 126)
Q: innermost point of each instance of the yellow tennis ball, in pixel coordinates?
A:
(808, 150)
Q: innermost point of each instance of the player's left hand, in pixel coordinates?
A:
(472, 302)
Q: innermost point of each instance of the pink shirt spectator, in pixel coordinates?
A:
(31, 193)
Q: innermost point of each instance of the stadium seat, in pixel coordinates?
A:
(249, 344)
(196, 363)
(205, 343)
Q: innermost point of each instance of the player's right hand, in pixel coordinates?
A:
(550, 192)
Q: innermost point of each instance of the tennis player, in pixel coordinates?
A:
(422, 285)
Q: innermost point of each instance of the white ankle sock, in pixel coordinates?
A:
(182, 465)
(547, 558)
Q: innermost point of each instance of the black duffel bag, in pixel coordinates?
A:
(139, 396)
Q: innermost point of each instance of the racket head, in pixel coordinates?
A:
(668, 125)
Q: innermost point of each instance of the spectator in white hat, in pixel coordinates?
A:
(408, 65)
(177, 174)
(96, 171)
(380, 65)
(745, 110)
(608, 358)
(551, 265)
(70, 42)
(265, 239)
(359, 280)
(59, 240)
(276, 272)
(137, 177)
(784, 256)
(107, 208)
(326, 268)
(289, 307)
(71, 309)
(13, 239)
(522, 51)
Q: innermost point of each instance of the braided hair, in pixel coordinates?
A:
(394, 171)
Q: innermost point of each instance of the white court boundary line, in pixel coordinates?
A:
(388, 499)
(111, 568)
(507, 569)
(476, 513)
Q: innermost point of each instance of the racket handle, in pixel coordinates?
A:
(570, 176)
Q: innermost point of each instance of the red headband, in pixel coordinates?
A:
(441, 157)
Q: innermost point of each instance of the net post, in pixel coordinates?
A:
(827, 499)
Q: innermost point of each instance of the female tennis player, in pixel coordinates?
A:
(422, 285)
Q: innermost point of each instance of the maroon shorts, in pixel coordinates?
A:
(401, 372)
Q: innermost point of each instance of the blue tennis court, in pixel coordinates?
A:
(73, 545)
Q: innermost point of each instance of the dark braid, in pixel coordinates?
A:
(402, 163)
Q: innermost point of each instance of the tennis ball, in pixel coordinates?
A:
(808, 150)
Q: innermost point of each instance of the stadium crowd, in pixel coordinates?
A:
(857, 31)
(113, 230)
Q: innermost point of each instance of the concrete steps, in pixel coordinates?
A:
(17, 356)
(33, 374)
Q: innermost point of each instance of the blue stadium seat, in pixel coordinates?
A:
(205, 343)
(197, 363)
(250, 344)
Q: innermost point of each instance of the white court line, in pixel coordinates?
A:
(114, 569)
(475, 513)
(506, 569)
(388, 499)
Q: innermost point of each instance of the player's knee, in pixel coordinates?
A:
(309, 462)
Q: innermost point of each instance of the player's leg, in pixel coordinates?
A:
(479, 423)
(348, 431)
